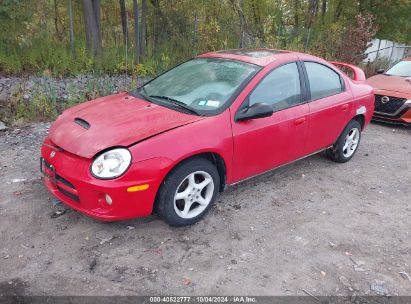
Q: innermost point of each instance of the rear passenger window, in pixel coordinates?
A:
(323, 80)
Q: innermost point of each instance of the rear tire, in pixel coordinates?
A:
(347, 143)
(188, 192)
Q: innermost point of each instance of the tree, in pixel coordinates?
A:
(142, 43)
(91, 12)
(392, 18)
(257, 11)
(70, 11)
(241, 12)
(136, 29)
(312, 13)
(356, 39)
(123, 16)
(323, 10)
(296, 16)
(39, 34)
(59, 32)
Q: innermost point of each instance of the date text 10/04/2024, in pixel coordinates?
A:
(200, 299)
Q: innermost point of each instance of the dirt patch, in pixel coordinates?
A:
(313, 226)
(12, 288)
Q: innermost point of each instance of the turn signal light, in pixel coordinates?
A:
(138, 188)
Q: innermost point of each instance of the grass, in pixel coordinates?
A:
(55, 59)
(43, 102)
(48, 60)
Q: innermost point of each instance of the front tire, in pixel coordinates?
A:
(347, 143)
(188, 192)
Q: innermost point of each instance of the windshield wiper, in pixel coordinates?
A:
(144, 90)
(176, 102)
(137, 93)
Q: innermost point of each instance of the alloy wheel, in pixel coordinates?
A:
(194, 194)
(351, 142)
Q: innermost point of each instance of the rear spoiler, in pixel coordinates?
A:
(354, 72)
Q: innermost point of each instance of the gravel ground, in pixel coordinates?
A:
(310, 227)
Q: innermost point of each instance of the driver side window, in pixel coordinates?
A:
(281, 88)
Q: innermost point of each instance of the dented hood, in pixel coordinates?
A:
(117, 120)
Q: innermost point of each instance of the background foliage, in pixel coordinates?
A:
(34, 36)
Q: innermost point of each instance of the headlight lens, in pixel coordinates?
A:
(111, 164)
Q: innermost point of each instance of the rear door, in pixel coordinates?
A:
(264, 143)
(329, 105)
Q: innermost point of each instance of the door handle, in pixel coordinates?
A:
(344, 107)
(299, 121)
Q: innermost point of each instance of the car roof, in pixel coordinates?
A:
(261, 57)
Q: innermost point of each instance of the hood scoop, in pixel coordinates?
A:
(83, 123)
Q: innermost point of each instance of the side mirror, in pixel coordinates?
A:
(380, 71)
(257, 110)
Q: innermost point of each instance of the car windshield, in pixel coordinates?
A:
(402, 68)
(202, 84)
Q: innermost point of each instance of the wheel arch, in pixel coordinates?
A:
(220, 164)
(215, 158)
(361, 119)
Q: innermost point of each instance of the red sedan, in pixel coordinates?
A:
(215, 120)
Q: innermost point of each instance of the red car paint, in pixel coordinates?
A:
(134, 120)
(357, 73)
(160, 138)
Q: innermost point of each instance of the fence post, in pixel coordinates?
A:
(392, 51)
(378, 51)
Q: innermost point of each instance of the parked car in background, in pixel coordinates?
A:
(213, 121)
(392, 90)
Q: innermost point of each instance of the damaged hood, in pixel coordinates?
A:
(117, 120)
(390, 83)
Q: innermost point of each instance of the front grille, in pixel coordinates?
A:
(389, 107)
(62, 180)
(69, 194)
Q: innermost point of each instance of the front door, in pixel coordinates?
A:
(264, 143)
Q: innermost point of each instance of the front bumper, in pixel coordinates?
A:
(68, 178)
(396, 109)
(402, 117)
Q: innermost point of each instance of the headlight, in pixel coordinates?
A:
(111, 164)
